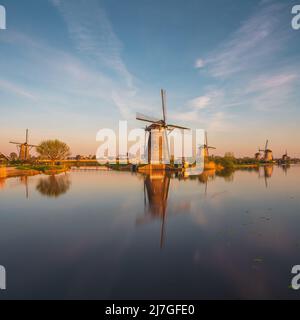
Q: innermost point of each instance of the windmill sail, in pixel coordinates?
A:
(142, 117)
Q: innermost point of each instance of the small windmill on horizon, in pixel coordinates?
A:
(285, 157)
(24, 148)
(205, 148)
(257, 155)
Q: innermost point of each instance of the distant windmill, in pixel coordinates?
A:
(268, 154)
(24, 148)
(258, 155)
(206, 147)
(285, 157)
(158, 134)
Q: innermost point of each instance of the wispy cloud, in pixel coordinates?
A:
(200, 102)
(271, 92)
(16, 90)
(93, 34)
(276, 81)
(252, 45)
(211, 98)
(207, 112)
(250, 69)
(200, 63)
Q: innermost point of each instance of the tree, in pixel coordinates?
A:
(13, 156)
(53, 150)
(229, 155)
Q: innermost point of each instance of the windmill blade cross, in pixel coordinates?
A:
(19, 143)
(177, 127)
(142, 117)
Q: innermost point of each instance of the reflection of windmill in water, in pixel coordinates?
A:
(286, 168)
(204, 178)
(268, 172)
(158, 146)
(24, 181)
(285, 162)
(156, 191)
(24, 148)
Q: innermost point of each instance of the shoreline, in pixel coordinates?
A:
(11, 172)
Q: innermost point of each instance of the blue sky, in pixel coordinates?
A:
(71, 67)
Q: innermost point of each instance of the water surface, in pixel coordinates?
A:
(102, 235)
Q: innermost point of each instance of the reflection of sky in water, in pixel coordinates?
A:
(99, 235)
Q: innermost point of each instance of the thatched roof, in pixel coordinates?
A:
(3, 157)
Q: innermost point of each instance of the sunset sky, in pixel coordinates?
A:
(71, 67)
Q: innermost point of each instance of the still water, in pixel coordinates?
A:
(102, 235)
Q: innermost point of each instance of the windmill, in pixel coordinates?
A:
(268, 154)
(24, 148)
(257, 155)
(285, 157)
(158, 145)
(206, 147)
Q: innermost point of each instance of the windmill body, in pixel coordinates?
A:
(285, 157)
(257, 156)
(157, 148)
(269, 155)
(24, 148)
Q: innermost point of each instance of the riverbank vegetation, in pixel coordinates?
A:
(46, 169)
(229, 161)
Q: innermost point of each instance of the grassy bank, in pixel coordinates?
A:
(46, 169)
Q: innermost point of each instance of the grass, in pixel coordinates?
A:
(41, 168)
